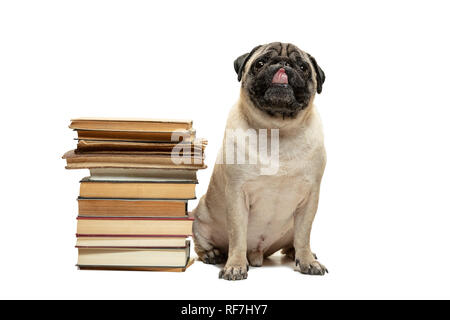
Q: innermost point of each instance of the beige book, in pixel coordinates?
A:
(134, 226)
(134, 174)
(127, 257)
(131, 242)
(153, 269)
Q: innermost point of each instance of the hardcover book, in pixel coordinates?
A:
(110, 226)
(134, 257)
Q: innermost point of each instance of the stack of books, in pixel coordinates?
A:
(133, 208)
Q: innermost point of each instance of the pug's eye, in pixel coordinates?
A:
(303, 67)
(259, 64)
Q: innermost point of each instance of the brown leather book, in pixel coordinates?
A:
(129, 124)
(131, 208)
(104, 146)
(107, 160)
(162, 136)
(97, 160)
(137, 190)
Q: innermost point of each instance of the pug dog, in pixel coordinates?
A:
(246, 216)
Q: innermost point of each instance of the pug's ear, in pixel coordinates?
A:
(239, 63)
(320, 75)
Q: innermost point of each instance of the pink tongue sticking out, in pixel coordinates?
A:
(280, 77)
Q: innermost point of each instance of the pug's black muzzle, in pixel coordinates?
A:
(274, 98)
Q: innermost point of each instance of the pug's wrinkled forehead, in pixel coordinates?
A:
(286, 50)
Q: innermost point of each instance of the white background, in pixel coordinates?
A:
(383, 223)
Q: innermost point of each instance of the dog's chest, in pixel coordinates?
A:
(273, 193)
(273, 199)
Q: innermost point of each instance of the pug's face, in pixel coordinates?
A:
(279, 78)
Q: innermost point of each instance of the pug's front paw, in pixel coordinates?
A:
(234, 272)
(306, 263)
(312, 267)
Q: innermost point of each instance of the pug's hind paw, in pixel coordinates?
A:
(213, 256)
(290, 253)
(255, 258)
(234, 272)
